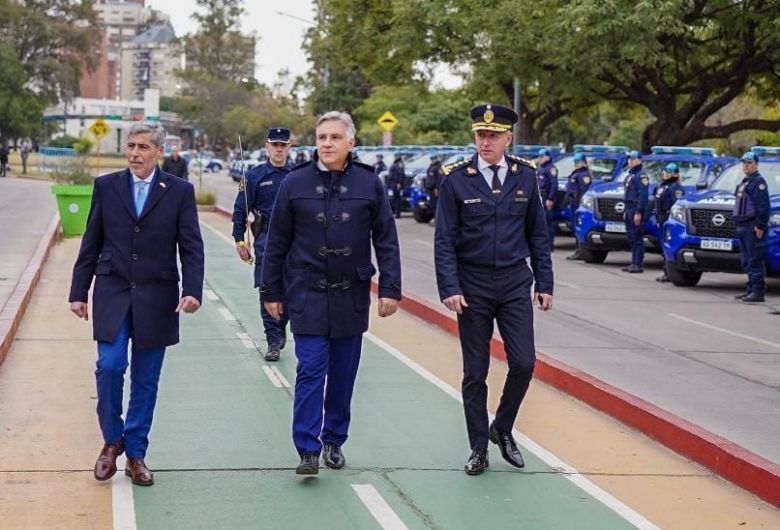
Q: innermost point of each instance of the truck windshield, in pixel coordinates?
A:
(690, 172)
(599, 167)
(732, 176)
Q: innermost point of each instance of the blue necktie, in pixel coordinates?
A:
(141, 188)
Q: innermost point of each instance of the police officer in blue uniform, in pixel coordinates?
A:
(395, 183)
(636, 200)
(666, 195)
(576, 185)
(379, 165)
(751, 213)
(547, 175)
(262, 185)
(490, 222)
(327, 214)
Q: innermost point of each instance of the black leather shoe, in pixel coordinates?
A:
(753, 297)
(272, 354)
(506, 443)
(740, 296)
(310, 464)
(477, 463)
(333, 457)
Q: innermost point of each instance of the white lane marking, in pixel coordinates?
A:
(378, 507)
(225, 238)
(276, 377)
(210, 295)
(428, 244)
(226, 314)
(548, 458)
(566, 284)
(246, 340)
(122, 502)
(726, 331)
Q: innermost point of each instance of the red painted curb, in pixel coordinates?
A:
(740, 466)
(224, 212)
(16, 305)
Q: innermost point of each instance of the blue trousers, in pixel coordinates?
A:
(145, 368)
(273, 328)
(752, 253)
(635, 240)
(322, 359)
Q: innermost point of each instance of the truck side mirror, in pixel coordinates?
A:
(701, 185)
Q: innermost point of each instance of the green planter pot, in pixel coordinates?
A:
(73, 202)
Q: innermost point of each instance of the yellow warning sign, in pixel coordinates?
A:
(99, 128)
(387, 121)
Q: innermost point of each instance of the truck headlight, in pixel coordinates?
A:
(774, 219)
(678, 213)
(419, 181)
(587, 201)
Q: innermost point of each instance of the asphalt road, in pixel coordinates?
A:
(695, 352)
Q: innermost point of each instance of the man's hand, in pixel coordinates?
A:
(275, 309)
(188, 304)
(455, 303)
(80, 309)
(549, 204)
(387, 306)
(243, 252)
(637, 219)
(759, 232)
(544, 301)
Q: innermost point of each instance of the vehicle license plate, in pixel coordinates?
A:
(618, 228)
(716, 244)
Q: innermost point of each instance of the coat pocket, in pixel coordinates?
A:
(169, 276)
(103, 266)
(362, 291)
(297, 289)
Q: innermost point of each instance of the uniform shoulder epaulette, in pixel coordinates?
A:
(449, 168)
(524, 161)
(363, 165)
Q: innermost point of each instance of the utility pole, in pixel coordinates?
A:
(516, 127)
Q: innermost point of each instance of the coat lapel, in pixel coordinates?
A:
(122, 187)
(511, 181)
(477, 181)
(155, 194)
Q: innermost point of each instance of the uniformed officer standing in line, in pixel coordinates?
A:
(262, 186)
(432, 177)
(395, 182)
(547, 174)
(328, 213)
(666, 195)
(751, 213)
(490, 221)
(636, 200)
(379, 165)
(576, 185)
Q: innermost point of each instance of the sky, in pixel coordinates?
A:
(280, 35)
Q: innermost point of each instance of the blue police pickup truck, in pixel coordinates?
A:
(701, 236)
(606, 162)
(599, 226)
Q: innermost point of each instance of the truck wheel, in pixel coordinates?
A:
(682, 277)
(422, 216)
(593, 256)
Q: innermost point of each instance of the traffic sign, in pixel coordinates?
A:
(99, 128)
(387, 121)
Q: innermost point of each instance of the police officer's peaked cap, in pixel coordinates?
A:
(671, 167)
(492, 118)
(750, 156)
(579, 157)
(634, 154)
(279, 135)
(543, 152)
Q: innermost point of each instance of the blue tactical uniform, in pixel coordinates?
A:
(751, 212)
(395, 182)
(666, 195)
(262, 186)
(576, 185)
(482, 246)
(379, 166)
(320, 238)
(547, 177)
(636, 200)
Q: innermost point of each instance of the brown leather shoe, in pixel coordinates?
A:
(105, 467)
(137, 470)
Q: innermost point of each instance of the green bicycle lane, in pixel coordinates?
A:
(223, 457)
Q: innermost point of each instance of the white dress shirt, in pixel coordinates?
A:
(487, 173)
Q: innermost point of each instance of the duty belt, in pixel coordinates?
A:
(325, 284)
(344, 251)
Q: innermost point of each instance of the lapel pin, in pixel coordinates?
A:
(471, 171)
(162, 184)
(514, 168)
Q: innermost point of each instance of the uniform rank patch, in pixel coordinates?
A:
(471, 201)
(645, 180)
(554, 171)
(520, 199)
(586, 180)
(514, 168)
(762, 187)
(266, 183)
(520, 192)
(679, 193)
(471, 171)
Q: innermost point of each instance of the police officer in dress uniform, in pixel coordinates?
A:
(327, 214)
(262, 186)
(636, 200)
(576, 185)
(547, 174)
(666, 195)
(432, 176)
(395, 182)
(751, 213)
(490, 221)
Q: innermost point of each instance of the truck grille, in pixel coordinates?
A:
(605, 209)
(712, 223)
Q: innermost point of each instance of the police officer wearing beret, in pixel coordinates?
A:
(751, 213)
(576, 185)
(262, 186)
(636, 200)
(666, 195)
(490, 221)
(547, 175)
(328, 213)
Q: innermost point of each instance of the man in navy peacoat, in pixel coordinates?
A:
(140, 219)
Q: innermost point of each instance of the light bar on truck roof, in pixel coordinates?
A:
(763, 150)
(554, 149)
(674, 150)
(612, 149)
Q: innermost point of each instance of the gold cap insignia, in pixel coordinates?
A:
(488, 116)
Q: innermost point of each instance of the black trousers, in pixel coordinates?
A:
(503, 297)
